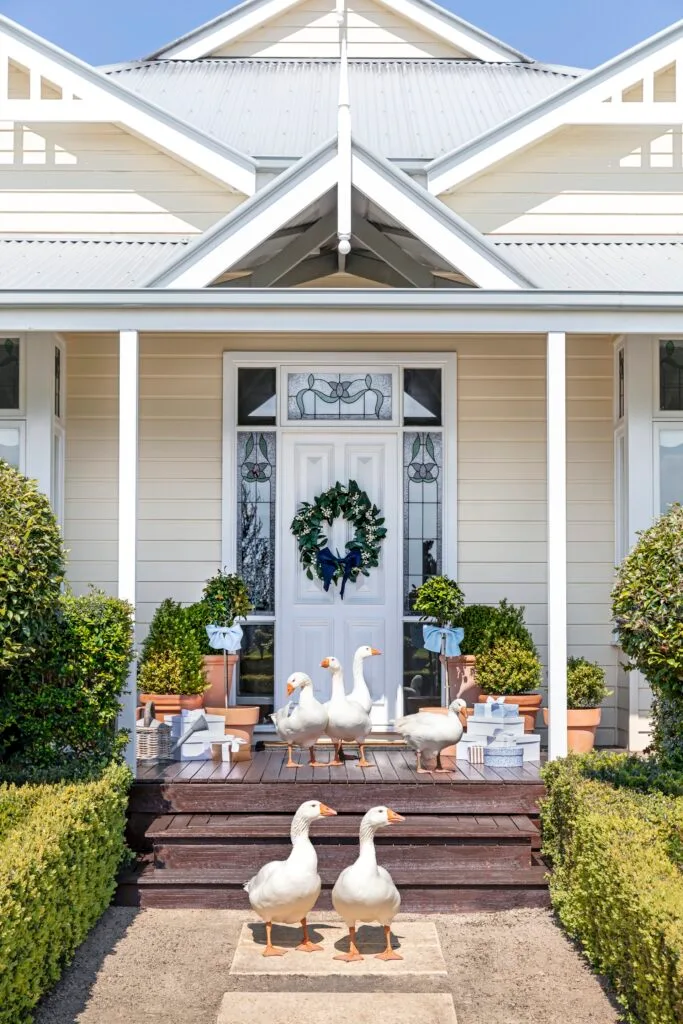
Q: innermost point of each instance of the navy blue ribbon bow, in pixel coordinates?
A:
(330, 563)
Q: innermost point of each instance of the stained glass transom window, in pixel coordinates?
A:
(256, 396)
(421, 397)
(256, 516)
(9, 373)
(422, 498)
(671, 375)
(350, 395)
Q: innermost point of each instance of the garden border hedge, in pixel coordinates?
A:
(617, 885)
(58, 867)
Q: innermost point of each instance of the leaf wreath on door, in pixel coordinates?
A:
(361, 552)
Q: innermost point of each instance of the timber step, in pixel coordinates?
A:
(480, 889)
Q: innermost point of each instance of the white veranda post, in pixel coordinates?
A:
(128, 480)
(557, 543)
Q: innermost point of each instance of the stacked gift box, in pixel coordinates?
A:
(197, 746)
(497, 723)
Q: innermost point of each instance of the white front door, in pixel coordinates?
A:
(313, 624)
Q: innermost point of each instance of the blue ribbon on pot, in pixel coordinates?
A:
(330, 564)
(433, 635)
(225, 638)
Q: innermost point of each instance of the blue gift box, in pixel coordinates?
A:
(494, 712)
(503, 755)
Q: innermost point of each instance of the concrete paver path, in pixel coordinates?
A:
(174, 967)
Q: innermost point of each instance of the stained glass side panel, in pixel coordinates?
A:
(256, 516)
(671, 375)
(9, 373)
(351, 395)
(421, 672)
(422, 505)
(257, 669)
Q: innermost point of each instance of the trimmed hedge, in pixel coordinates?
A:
(59, 856)
(616, 884)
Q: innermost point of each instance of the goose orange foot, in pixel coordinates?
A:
(270, 949)
(308, 946)
(388, 953)
(353, 953)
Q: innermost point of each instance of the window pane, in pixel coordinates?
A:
(422, 480)
(421, 672)
(620, 410)
(10, 446)
(351, 395)
(58, 382)
(422, 398)
(670, 468)
(256, 679)
(9, 373)
(671, 375)
(256, 396)
(256, 516)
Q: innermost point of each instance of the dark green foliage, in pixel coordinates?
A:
(58, 715)
(585, 684)
(485, 625)
(59, 855)
(616, 883)
(647, 604)
(31, 566)
(625, 771)
(171, 660)
(508, 668)
(439, 600)
(226, 599)
(197, 620)
(353, 505)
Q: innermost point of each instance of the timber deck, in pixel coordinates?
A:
(471, 839)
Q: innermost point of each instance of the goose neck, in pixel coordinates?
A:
(298, 832)
(367, 844)
(338, 690)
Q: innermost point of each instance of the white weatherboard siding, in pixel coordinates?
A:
(310, 30)
(583, 181)
(501, 472)
(83, 179)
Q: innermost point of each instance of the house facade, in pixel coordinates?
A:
(312, 242)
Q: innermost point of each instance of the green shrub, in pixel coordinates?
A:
(631, 771)
(58, 716)
(226, 599)
(647, 604)
(585, 684)
(617, 886)
(439, 600)
(507, 669)
(58, 866)
(31, 565)
(486, 624)
(171, 672)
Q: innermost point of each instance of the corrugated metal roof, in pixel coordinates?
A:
(599, 265)
(404, 109)
(75, 263)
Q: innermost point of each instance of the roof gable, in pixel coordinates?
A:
(623, 90)
(254, 21)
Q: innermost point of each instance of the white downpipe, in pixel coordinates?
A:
(343, 139)
(128, 484)
(556, 376)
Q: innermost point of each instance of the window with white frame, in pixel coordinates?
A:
(620, 461)
(12, 424)
(668, 426)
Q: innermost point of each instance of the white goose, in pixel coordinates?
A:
(428, 733)
(303, 725)
(365, 891)
(285, 891)
(347, 721)
(360, 692)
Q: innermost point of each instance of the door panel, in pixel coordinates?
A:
(314, 624)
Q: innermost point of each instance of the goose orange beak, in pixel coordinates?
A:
(373, 650)
(325, 663)
(394, 817)
(290, 689)
(326, 811)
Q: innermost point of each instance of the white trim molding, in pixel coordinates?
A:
(556, 387)
(127, 507)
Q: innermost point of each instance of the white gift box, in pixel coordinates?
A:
(529, 741)
(482, 729)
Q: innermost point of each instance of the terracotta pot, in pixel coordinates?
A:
(581, 726)
(173, 703)
(218, 692)
(447, 751)
(529, 706)
(240, 721)
(462, 678)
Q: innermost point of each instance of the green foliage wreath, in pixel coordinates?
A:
(353, 505)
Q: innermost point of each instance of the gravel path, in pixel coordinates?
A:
(172, 967)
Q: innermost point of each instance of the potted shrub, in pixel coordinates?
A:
(225, 600)
(586, 691)
(440, 601)
(171, 671)
(510, 669)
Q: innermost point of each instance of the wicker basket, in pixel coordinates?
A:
(154, 744)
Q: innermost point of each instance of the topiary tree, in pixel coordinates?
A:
(647, 604)
(485, 625)
(507, 669)
(171, 659)
(31, 565)
(585, 684)
(439, 600)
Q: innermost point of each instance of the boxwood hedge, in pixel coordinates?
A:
(60, 848)
(617, 886)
